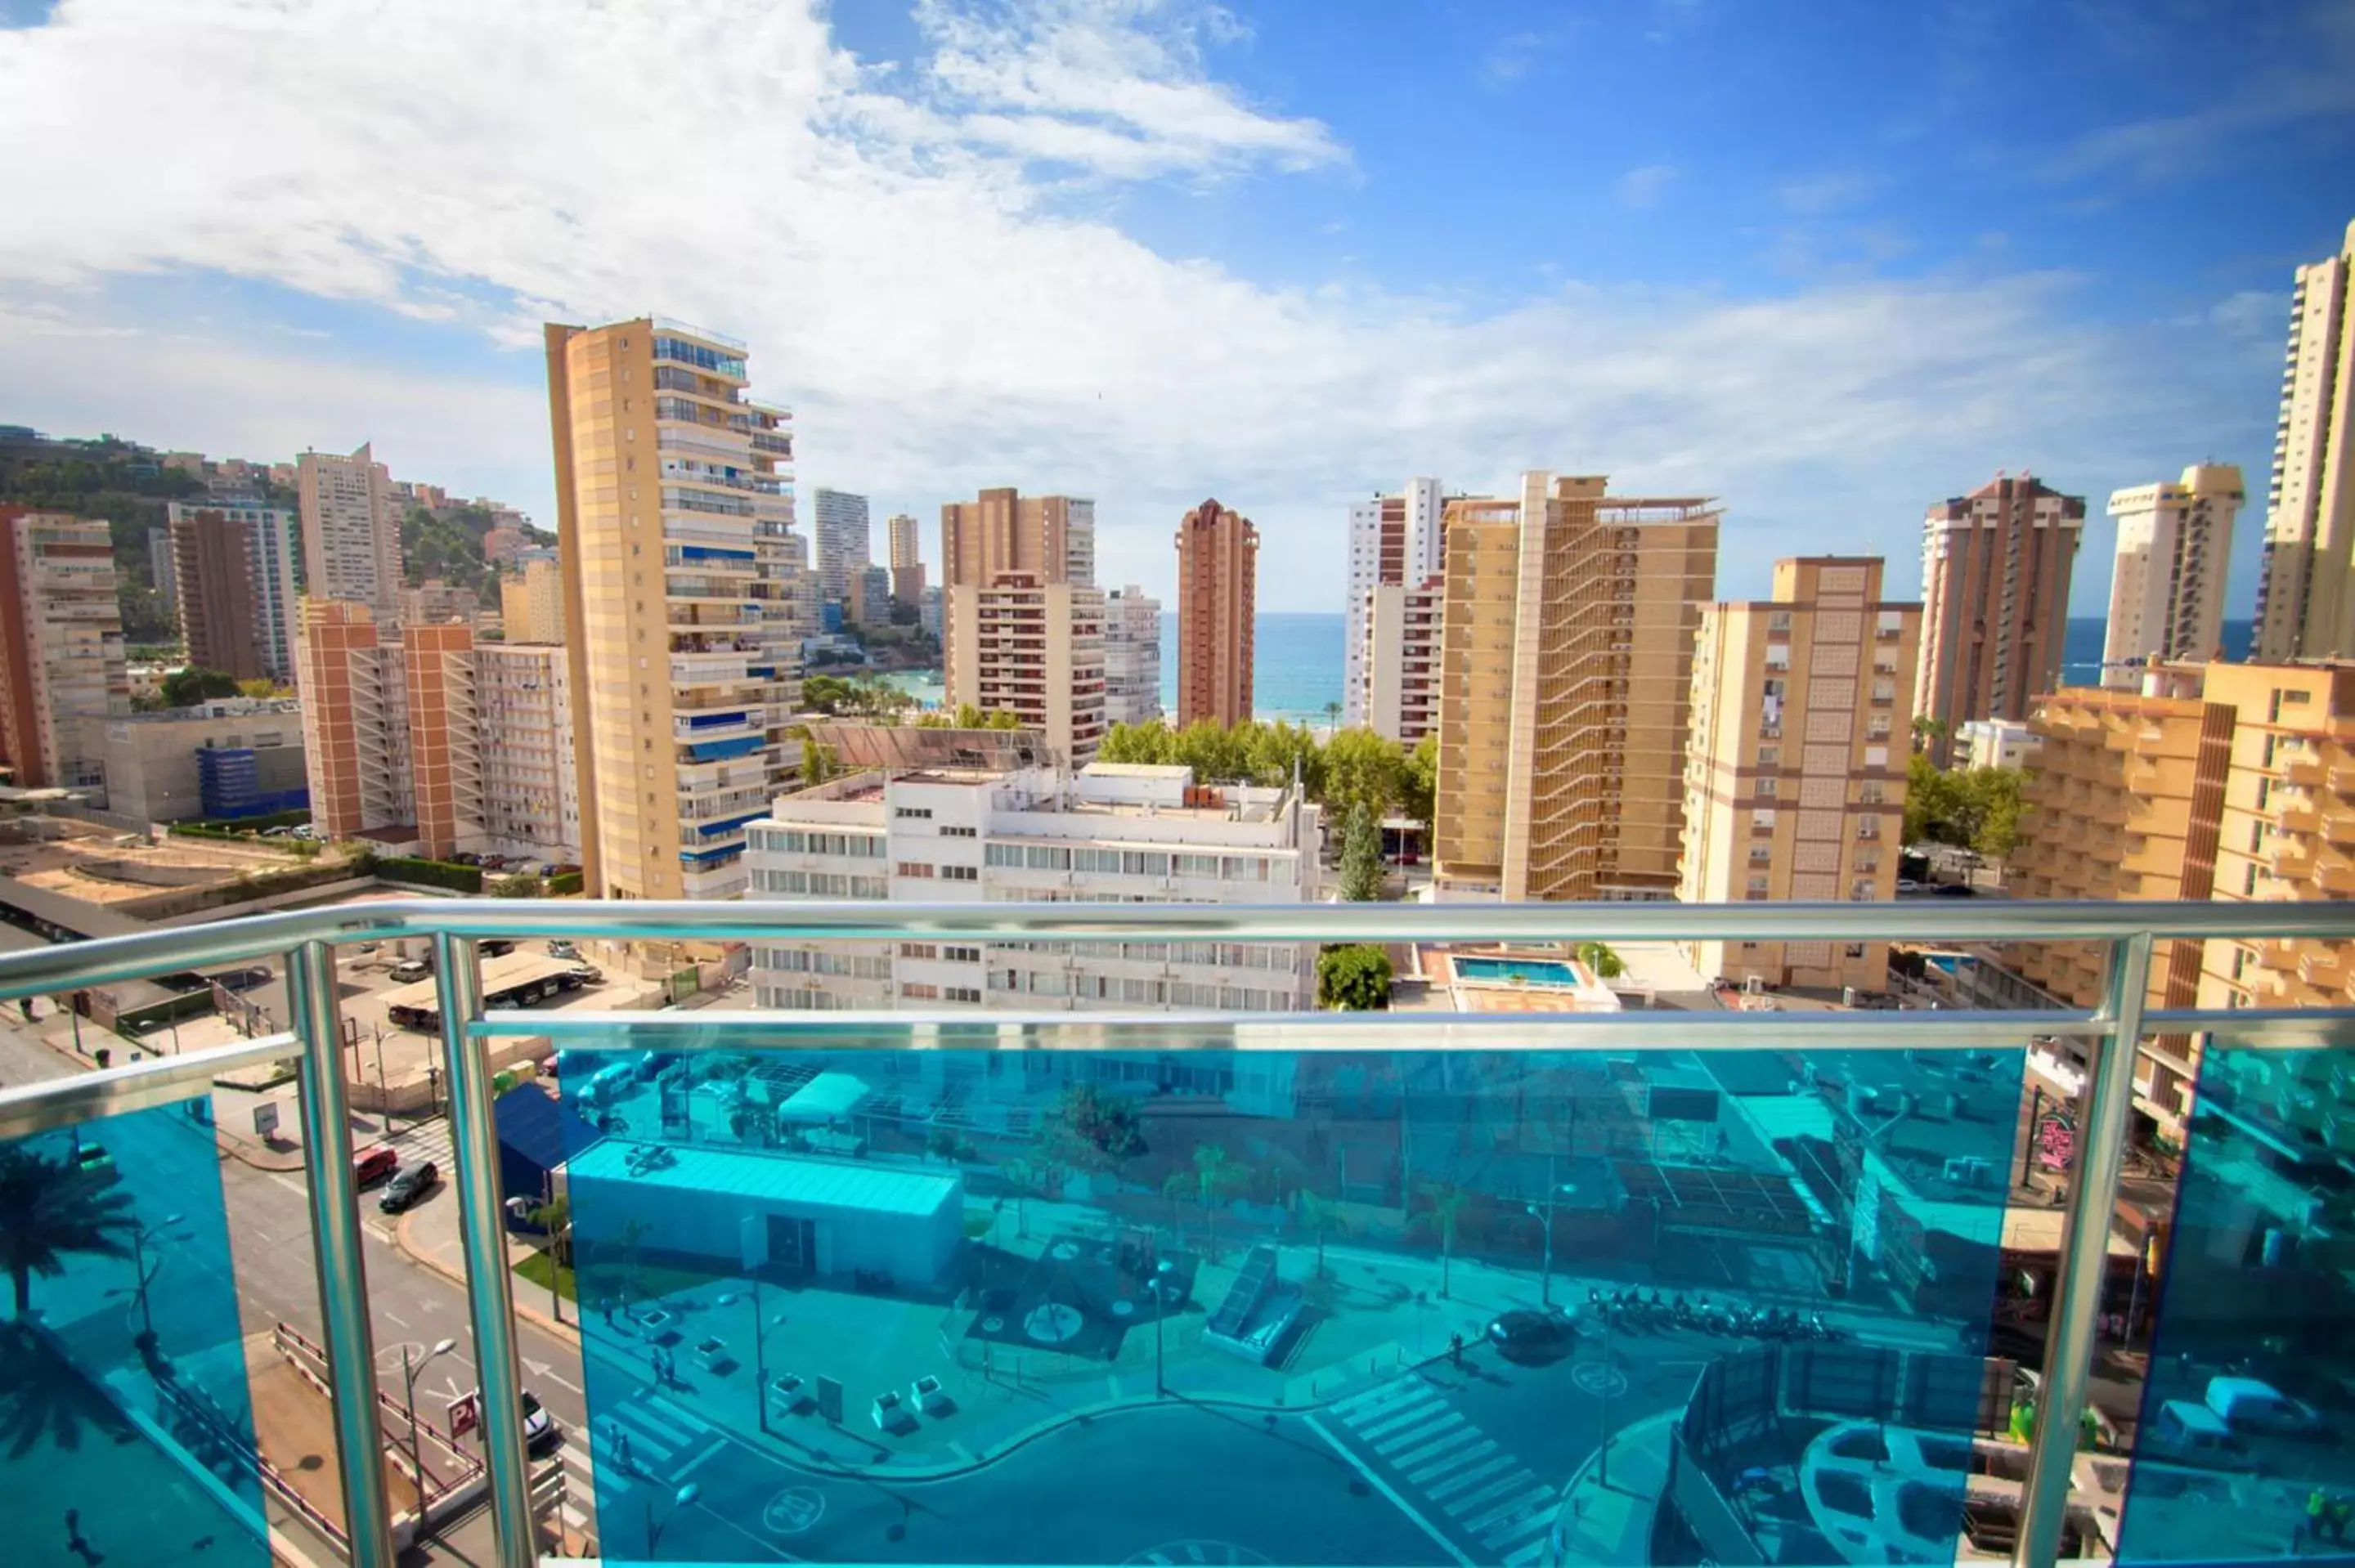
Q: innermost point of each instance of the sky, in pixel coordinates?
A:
(1827, 260)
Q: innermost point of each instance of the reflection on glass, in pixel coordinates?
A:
(1074, 1305)
(126, 1425)
(2241, 1450)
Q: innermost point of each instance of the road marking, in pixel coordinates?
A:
(1505, 1510)
(392, 1316)
(1457, 1483)
(381, 1233)
(1384, 1487)
(1358, 1404)
(1488, 1494)
(1403, 1414)
(1479, 1450)
(1527, 1555)
(1465, 1434)
(717, 1444)
(292, 1185)
(1537, 1520)
(1414, 1435)
(550, 1375)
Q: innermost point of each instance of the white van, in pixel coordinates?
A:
(2191, 1432)
(2248, 1405)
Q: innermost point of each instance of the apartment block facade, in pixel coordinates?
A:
(1795, 773)
(354, 679)
(907, 561)
(532, 603)
(60, 646)
(531, 784)
(1109, 834)
(351, 530)
(1994, 600)
(2167, 585)
(1132, 657)
(1036, 650)
(233, 582)
(1566, 690)
(1400, 699)
(675, 504)
(1394, 541)
(843, 544)
(1217, 608)
(2306, 589)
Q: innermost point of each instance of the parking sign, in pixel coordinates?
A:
(830, 1400)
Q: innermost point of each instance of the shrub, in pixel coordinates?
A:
(423, 872)
(564, 882)
(1355, 978)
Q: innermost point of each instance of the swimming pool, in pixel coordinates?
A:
(1527, 971)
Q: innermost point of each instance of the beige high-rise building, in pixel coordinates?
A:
(1218, 605)
(1994, 600)
(531, 604)
(60, 646)
(351, 530)
(1566, 690)
(907, 561)
(2306, 587)
(1400, 697)
(233, 579)
(1003, 532)
(674, 505)
(1796, 774)
(2213, 781)
(1394, 543)
(1035, 650)
(2167, 587)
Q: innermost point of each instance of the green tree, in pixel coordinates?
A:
(1332, 717)
(1353, 978)
(1088, 1129)
(1363, 768)
(1997, 806)
(1442, 1218)
(1599, 958)
(185, 688)
(554, 1219)
(1147, 744)
(1321, 1216)
(1216, 1179)
(1361, 858)
(1419, 787)
(817, 762)
(1929, 801)
(1928, 730)
(50, 1209)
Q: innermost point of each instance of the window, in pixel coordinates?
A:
(919, 951)
(957, 832)
(920, 991)
(1766, 787)
(870, 887)
(1195, 865)
(1868, 793)
(1854, 949)
(1758, 885)
(961, 954)
(915, 868)
(1001, 854)
(1770, 756)
(1046, 857)
(1761, 854)
(1859, 891)
(1778, 620)
(2249, 887)
(963, 993)
(913, 813)
(961, 874)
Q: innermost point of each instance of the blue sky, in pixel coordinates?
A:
(1825, 262)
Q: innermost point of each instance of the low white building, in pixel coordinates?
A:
(1112, 833)
(1994, 743)
(1132, 656)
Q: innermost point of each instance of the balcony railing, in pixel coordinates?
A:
(1683, 1282)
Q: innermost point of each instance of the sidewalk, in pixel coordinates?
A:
(1609, 1523)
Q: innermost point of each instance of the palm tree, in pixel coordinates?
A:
(1332, 718)
(1175, 1187)
(1323, 1217)
(48, 1209)
(1214, 1178)
(1447, 1202)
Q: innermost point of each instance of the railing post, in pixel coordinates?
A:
(2084, 1271)
(490, 1296)
(342, 1271)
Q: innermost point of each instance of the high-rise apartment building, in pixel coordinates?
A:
(419, 737)
(1566, 690)
(1217, 606)
(1052, 537)
(932, 614)
(1794, 776)
(532, 603)
(351, 530)
(1995, 600)
(674, 505)
(1394, 541)
(870, 598)
(233, 570)
(60, 646)
(1132, 657)
(2167, 588)
(160, 570)
(1035, 650)
(354, 679)
(906, 547)
(1109, 833)
(1400, 699)
(2306, 588)
(839, 530)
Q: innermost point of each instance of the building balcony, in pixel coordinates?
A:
(763, 1193)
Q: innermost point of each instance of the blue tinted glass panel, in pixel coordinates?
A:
(126, 1425)
(1095, 1306)
(2242, 1448)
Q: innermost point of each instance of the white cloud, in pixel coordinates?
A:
(1643, 188)
(1813, 195)
(898, 248)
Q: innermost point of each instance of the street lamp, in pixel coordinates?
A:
(762, 1324)
(1159, 1286)
(655, 1527)
(408, 1383)
(1554, 1194)
(141, 1234)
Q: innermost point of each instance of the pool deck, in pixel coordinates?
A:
(1485, 993)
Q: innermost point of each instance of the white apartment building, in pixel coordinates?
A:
(1131, 639)
(1110, 834)
(840, 530)
(2306, 584)
(531, 794)
(1393, 540)
(2167, 590)
(351, 530)
(1400, 694)
(1995, 743)
(1080, 543)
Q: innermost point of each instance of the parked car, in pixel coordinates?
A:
(92, 1161)
(1527, 1336)
(1906, 885)
(540, 1431)
(496, 946)
(411, 970)
(586, 974)
(370, 1166)
(562, 948)
(2248, 1405)
(409, 1187)
(1956, 890)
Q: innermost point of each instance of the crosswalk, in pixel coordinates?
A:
(652, 1439)
(1451, 1475)
(428, 1139)
(579, 1487)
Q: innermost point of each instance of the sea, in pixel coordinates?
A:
(1298, 662)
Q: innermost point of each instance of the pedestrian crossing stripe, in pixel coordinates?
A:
(1402, 1414)
(1489, 1494)
(1523, 1556)
(1536, 1519)
(1440, 1467)
(1497, 1515)
(1430, 1439)
(1457, 1483)
(1353, 1407)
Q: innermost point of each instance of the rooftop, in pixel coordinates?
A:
(701, 1172)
